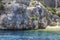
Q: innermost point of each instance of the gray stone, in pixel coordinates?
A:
(24, 17)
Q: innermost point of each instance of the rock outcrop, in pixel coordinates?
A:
(16, 16)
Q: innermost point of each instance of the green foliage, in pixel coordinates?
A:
(40, 10)
(53, 10)
(34, 18)
(9, 3)
(2, 7)
(31, 0)
(43, 4)
(21, 4)
(4, 3)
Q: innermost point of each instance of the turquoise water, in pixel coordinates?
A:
(29, 35)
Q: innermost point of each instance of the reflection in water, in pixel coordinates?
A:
(29, 35)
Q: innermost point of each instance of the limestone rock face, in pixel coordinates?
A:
(26, 17)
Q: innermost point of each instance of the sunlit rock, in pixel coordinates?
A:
(26, 16)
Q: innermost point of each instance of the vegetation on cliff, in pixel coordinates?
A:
(53, 10)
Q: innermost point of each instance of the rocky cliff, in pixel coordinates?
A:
(29, 15)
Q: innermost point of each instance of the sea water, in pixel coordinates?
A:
(29, 35)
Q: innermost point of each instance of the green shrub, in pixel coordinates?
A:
(40, 10)
(9, 3)
(53, 10)
(34, 18)
(2, 7)
(31, 0)
(3, 3)
(43, 4)
(21, 4)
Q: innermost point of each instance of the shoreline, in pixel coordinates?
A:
(51, 28)
(48, 28)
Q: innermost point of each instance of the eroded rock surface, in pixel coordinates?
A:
(16, 16)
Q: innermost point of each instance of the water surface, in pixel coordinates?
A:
(29, 35)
